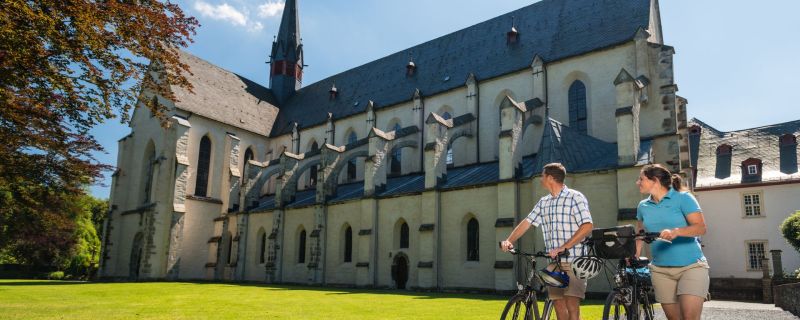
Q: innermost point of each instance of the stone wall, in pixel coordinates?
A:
(736, 289)
(787, 296)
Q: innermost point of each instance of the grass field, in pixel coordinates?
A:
(34, 299)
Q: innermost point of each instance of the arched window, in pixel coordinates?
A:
(149, 162)
(230, 248)
(472, 240)
(312, 179)
(397, 155)
(351, 165)
(203, 166)
(577, 107)
(348, 245)
(301, 248)
(262, 247)
(248, 155)
(404, 236)
(449, 159)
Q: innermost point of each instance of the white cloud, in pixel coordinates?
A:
(270, 8)
(256, 27)
(221, 12)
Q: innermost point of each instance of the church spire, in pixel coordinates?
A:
(286, 60)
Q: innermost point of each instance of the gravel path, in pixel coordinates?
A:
(734, 310)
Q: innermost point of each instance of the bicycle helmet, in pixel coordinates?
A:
(553, 278)
(587, 267)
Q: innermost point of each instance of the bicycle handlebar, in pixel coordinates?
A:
(539, 254)
(645, 236)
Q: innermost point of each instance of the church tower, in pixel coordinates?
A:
(286, 60)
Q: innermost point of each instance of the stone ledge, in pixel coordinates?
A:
(362, 265)
(204, 199)
(504, 222)
(504, 264)
(427, 227)
(425, 264)
(364, 232)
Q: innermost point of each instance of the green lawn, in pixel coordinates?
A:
(34, 299)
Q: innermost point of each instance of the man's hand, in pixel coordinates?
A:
(554, 253)
(506, 245)
(669, 234)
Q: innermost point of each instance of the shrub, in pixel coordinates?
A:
(791, 230)
(57, 275)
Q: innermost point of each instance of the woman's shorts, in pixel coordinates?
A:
(671, 282)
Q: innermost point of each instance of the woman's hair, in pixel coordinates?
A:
(663, 176)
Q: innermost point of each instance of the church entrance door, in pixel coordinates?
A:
(400, 271)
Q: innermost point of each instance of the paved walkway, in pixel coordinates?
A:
(735, 310)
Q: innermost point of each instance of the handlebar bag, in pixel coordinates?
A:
(614, 243)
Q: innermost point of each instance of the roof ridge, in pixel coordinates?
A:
(759, 128)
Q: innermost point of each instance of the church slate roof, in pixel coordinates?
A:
(759, 143)
(576, 151)
(404, 185)
(226, 97)
(553, 29)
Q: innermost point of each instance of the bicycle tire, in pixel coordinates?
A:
(647, 312)
(514, 305)
(549, 310)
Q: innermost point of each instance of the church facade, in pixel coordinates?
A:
(404, 172)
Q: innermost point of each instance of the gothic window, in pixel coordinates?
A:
(723, 169)
(203, 166)
(397, 155)
(312, 175)
(472, 240)
(301, 248)
(348, 245)
(149, 163)
(449, 159)
(577, 107)
(404, 236)
(351, 165)
(230, 249)
(788, 153)
(263, 247)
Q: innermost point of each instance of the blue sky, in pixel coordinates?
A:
(735, 61)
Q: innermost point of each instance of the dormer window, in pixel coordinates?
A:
(334, 92)
(751, 170)
(512, 36)
(411, 68)
(723, 169)
(788, 153)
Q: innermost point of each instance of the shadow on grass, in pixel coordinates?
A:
(41, 283)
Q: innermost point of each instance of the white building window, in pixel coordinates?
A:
(752, 204)
(755, 252)
(752, 169)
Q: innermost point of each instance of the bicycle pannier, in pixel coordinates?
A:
(614, 243)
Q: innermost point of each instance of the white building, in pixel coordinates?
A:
(747, 183)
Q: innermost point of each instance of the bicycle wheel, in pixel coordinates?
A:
(646, 307)
(549, 310)
(614, 309)
(518, 308)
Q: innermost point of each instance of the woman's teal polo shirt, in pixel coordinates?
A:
(671, 213)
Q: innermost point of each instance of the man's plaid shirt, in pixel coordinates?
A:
(560, 217)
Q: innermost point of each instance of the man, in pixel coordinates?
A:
(566, 221)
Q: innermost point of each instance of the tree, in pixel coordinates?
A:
(66, 66)
(791, 230)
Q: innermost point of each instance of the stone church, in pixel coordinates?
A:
(406, 171)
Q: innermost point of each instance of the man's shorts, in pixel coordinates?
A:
(576, 287)
(671, 282)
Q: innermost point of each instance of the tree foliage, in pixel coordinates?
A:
(66, 66)
(791, 230)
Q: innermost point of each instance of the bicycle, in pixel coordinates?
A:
(526, 294)
(630, 299)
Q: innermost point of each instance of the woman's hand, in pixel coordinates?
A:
(669, 234)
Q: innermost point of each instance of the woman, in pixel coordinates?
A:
(679, 269)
